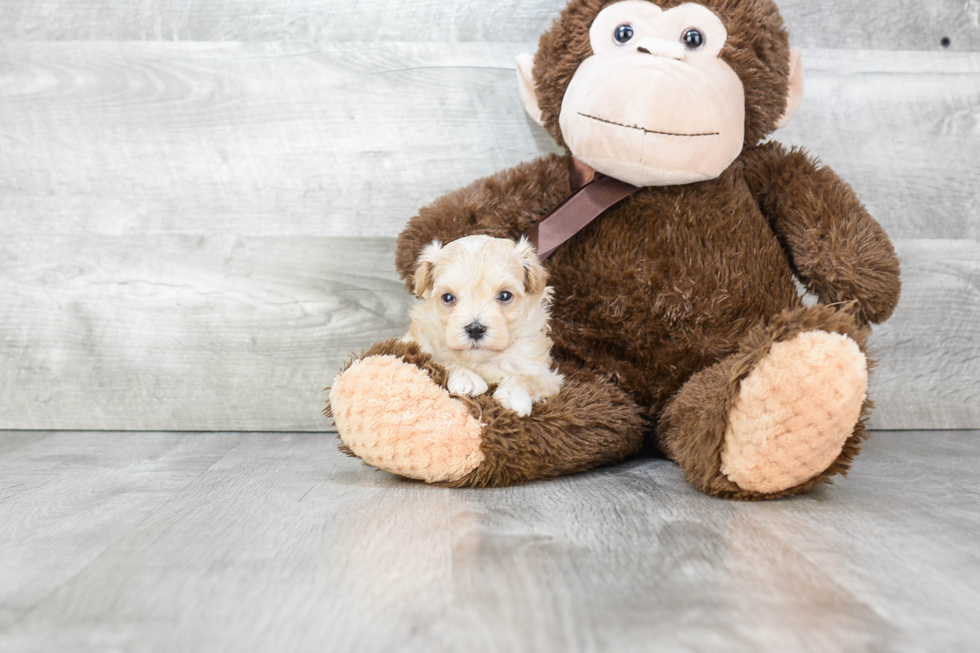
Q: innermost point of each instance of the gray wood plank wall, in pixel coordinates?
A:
(198, 202)
(880, 24)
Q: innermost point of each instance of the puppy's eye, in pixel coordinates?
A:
(504, 297)
(623, 34)
(449, 299)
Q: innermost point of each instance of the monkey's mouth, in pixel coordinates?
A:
(644, 129)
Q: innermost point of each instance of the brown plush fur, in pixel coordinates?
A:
(836, 248)
(665, 303)
(590, 423)
(692, 426)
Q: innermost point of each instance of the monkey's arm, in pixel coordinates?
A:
(504, 205)
(838, 250)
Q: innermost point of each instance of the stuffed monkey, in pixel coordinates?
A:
(676, 318)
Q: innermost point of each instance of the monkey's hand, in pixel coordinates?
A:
(504, 205)
(838, 250)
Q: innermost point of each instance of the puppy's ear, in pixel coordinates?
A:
(535, 274)
(422, 279)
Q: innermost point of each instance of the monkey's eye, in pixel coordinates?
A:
(449, 299)
(504, 296)
(693, 39)
(623, 34)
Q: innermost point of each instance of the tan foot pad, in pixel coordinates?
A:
(794, 412)
(393, 416)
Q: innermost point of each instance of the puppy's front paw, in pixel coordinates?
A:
(466, 382)
(515, 398)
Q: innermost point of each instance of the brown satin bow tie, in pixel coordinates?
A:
(592, 193)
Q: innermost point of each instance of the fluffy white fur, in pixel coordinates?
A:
(501, 286)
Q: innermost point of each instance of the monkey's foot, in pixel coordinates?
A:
(794, 412)
(391, 414)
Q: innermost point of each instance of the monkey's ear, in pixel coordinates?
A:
(422, 279)
(535, 274)
(525, 86)
(795, 95)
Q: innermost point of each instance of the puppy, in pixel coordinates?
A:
(484, 317)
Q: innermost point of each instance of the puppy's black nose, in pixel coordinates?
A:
(475, 330)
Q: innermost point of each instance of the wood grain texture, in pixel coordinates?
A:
(904, 130)
(929, 351)
(266, 139)
(283, 544)
(349, 140)
(885, 25)
(66, 498)
(186, 332)
(234, 333)
(174, 217)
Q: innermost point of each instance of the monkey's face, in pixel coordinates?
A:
(655, 105)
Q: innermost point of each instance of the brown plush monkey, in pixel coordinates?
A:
(675, 316)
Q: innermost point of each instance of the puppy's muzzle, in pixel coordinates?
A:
(475, 331)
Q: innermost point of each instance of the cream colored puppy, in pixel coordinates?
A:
(484, 317)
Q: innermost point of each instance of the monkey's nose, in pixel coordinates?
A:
(475, 330)
(661, 48)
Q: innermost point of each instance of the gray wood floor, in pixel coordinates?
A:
(276, 542)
